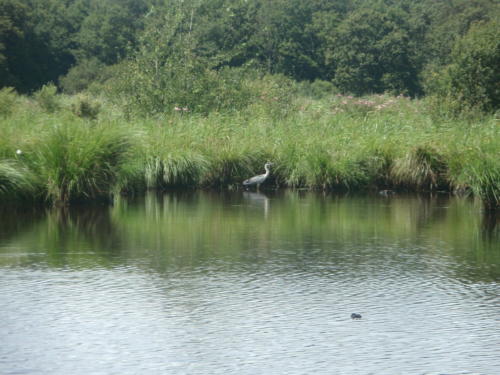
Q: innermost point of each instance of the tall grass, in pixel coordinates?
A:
(337, 142)
(79, 161)
(16, 182)
(63, 157)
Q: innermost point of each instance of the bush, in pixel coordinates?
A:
(85, 107)
(272, 93)
(317, 89)
(81, 76)
(193, 87)
(47, 98)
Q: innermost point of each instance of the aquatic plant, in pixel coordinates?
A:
(420, 168)
(16, 181)
(319, 144)
(78, 160)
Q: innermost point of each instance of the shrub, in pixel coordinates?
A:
(317, 89)
(85, 107)
(47, 98)
(272, 94)
(81, 76)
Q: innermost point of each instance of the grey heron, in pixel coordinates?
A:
(259, 179)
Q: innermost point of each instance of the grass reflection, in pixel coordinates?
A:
(189, 230)
(196, 230)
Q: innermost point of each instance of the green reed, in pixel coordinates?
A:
(337, 142)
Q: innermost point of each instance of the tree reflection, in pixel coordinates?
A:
(305, 231)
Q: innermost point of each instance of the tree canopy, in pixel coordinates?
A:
(361, 47)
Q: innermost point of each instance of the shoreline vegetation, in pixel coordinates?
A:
(107, 97)
(61, 149)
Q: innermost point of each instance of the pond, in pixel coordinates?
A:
(251, 283)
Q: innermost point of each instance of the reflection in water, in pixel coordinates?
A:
(491, 225)
(214, 282)
(259, 200)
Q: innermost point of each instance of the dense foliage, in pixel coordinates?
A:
(361, 47)
(131, 94)
(63, 148)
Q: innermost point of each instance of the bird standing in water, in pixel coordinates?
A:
(257, 180)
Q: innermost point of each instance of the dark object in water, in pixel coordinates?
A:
(355, 316)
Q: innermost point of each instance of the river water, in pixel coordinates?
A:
(251, 283)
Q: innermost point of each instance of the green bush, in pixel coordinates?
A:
(317, 89)
(272, 95)
(47, 98)
(85, 107)
(81, 76)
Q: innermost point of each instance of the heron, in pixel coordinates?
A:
(259, 179)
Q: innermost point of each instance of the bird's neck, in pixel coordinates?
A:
(267, 170)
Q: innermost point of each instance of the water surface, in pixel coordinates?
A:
(251, 283)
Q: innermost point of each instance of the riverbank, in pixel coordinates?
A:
(65, 149)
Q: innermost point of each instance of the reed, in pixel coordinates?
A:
(64, 157)
(17, 182)
(80, 161)
(337, 142)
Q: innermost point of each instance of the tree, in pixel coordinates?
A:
(372, 53)
(109, 29)
(472, 80)
(14, 19)
(167, 73)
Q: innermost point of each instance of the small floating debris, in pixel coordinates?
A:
(355, 316)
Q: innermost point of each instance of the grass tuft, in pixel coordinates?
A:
(16, 181)
(336, 142)
(78, 161)
(421, 168)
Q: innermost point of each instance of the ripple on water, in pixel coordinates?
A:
(224, 322)
(278, 305)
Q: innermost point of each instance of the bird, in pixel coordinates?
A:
(259, 179)
(355, 316)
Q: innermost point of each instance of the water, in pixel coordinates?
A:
(246, 283)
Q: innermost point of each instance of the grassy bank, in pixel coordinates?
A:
(62, 149)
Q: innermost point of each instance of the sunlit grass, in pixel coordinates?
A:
(337, 142)
(16, 181)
